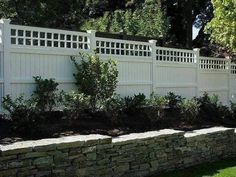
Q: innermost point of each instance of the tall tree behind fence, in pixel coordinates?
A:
(143, 67)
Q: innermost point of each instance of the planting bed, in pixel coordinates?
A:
(59, 127)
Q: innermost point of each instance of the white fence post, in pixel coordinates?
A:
(6, 56)
(197, 61)
(154, 58)
(229, 79)
(92, 40)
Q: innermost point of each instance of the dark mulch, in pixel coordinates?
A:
(58, 127)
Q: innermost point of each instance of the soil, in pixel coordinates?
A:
(63, 127)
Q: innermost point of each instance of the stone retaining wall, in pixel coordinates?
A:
(140, 154)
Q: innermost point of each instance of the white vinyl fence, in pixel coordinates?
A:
(143, 68)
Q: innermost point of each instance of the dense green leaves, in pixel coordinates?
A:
(147, 20)
(222, 27)
(29, 115)
(95, 78)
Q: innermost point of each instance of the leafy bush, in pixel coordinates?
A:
(45, 95)
(210, 109)
(75, 104)
(174, 100)
(113, 108)
(28, 115)
(190, 110)
(233, 110)
(95, 78)
(174, 111)
(134, 103)
(157, 100)
(22, 114)
(156, 108)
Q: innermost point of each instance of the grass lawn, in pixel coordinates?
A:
(224, 168)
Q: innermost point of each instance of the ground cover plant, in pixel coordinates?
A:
(95, 107)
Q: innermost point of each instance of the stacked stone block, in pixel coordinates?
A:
(136, 155)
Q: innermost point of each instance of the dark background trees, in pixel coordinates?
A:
(170, 20)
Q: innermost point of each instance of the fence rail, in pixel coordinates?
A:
(143, 67)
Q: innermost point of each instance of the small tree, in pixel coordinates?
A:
(45, 95)
(95, 78)
(222, 27)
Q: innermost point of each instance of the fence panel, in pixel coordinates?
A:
(214, 77)
(43, 52)
(1, 79)
(134, 64)
(233, 83)
(26, 65)
(1, 65)
(175, 71)
(143, 67)
(134, 71)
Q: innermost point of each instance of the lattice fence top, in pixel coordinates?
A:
(233, 69)
(175, 55)
(42, 37)
(122, 47)
(213, 63)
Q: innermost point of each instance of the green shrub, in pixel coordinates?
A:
(75, 104)
(157, 101)
(29, 115)
(233, 110)
(45, 95)
(190, 110)
(174, 100)
(23, 115)
(155, 110)
(173, 112)
(132, 104)
(210, 109)
(113, 108)
(95, 78)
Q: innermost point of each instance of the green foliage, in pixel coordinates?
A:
(133, 103)
(113, 108)
(157, 100)
(190, 110)
(49, 13)
(115, 102)
(210, 109)
(75, 104)
(174, 100)
(10, 105)
(155, 111)
(22, 114)
(28, 115)
(233, 110)
(45, 95)
(222, 27)
(147, 20)
(95, 78)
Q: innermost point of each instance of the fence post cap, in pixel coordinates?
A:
(152, 41)
(196, 49)
(5, 21)
(91, 31)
